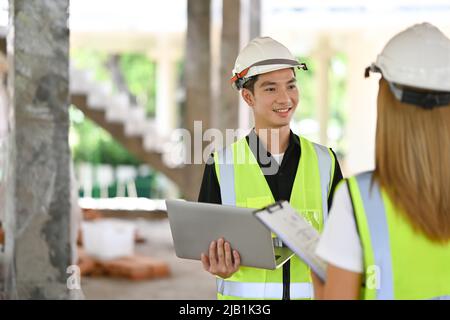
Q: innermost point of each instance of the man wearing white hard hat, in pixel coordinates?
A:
(388, 236)
(306, 173)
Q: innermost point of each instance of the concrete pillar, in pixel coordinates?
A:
(229, 48)
(166, 84)
(7, 181)
(38, 50)
(238, 24)
(216, 62)
(250, 28)
(323, 55)
(254, 18)
(198, 88)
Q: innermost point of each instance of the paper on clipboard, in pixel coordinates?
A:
(295, 232)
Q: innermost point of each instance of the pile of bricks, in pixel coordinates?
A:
(135, 267)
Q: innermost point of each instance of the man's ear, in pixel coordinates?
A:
(248, 97)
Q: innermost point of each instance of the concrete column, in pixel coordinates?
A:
(198, 88)
(7, 160)
(229, 48)
(254, 18)
(166, 84)
(250, 28)
(38, 50)
(216, 62)
(323, 56)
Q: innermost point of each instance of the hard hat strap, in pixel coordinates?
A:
(425, 100)
(240, 75)
(371, 68)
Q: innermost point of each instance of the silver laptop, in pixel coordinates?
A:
(194, 225)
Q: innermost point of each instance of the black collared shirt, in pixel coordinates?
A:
(280, 183)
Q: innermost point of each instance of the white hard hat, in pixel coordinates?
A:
(262, 55)
(418, 57)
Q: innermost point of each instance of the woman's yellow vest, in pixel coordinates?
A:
(399, 263)
(242, 184)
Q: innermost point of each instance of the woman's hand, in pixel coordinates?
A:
(318, 285)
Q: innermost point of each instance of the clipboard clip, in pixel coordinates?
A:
(272, 207)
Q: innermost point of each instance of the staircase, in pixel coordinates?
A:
(127, 123)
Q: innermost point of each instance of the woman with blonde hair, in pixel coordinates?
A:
(388, 234)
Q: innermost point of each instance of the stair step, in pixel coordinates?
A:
(153, 143)
(135, 122)
(118, 108)
(174, 155)
(80, 81)
(99, 96)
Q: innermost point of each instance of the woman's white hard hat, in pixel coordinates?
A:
(262, 55)
(418, 57)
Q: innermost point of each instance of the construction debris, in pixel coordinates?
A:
(91, 214)
(135, 267)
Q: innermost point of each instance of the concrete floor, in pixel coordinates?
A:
(188, 279)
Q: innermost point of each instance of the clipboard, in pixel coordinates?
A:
(300, 236)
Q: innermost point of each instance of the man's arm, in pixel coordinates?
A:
(341, 284)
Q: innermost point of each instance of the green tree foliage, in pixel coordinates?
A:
(140, 76)
(90, 143)
(92, 60)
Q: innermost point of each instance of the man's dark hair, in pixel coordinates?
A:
(250, 83)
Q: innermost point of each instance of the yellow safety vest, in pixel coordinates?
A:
(242, 184)
(399, 263)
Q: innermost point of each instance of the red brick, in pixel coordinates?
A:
(136, 268)
(86, 264)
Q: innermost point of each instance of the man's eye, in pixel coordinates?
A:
(269, 89)
(292, 86)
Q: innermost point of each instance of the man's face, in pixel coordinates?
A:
(275, 98)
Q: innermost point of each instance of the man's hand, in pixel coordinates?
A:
(220, 261)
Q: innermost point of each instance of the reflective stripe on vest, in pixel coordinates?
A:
(325, 166)
(226, 172)
(441, 298)
(379, 233)
(227, 190)
(270, 290)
